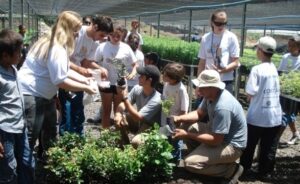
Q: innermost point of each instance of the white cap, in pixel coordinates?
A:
(209, 78)
(267, 44)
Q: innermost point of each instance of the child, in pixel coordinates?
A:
(175, 91)
(290, 62)
(151, 58)
(15, 163)
(264, 113)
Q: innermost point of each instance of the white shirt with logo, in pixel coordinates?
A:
(263, 85)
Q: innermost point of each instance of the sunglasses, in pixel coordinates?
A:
(87, 22)
(219, 24)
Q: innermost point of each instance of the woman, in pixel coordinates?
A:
(111, 55)
(46, 69)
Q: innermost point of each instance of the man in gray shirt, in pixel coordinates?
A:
(147, 101)
(222, 139)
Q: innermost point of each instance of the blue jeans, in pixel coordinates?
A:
(17, 165)
(72, 113)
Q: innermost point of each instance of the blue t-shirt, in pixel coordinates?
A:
(227, 117)
(148, 106)
(11, 102)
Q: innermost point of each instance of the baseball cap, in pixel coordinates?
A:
(149, 71)
(267, 44)
(209, 78)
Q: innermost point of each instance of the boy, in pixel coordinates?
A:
(151, 58)
(291, 62)
(175, 91)
(15, 163)
(264, 113)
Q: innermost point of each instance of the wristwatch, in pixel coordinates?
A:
(125, 98)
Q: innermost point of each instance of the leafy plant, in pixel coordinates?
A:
(166, 105)
(290, 83)
(75, 159)
(156, 157)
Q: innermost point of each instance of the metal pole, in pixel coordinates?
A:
(191, 87)
(243, 32)
(37, 28)
(3, 22)
(28, 20)
(32, 20)
(22, 12)
(158, 25)
(125, 21)
(190, 24)
(265, 29)
(10, 13)
(184, 28)
(139, 30)
(151, 29)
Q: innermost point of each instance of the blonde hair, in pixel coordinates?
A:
(62, 34)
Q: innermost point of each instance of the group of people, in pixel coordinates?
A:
(63, 62)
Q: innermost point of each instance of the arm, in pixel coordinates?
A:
(232, 66)
(1, 150)
(133, 72)
(83, 71)
(190, 117)
(71, 85)
(206, 138)
(201, 66)
(93, 65)
(77, 77)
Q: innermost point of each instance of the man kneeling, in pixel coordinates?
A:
(216, 145)
(147, 101)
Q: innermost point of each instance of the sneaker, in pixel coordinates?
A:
(293, 140)
(236, 175)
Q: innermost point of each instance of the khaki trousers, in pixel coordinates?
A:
(217, 161)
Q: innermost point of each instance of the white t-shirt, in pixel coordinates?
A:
(106, 52)
(85, 47)
(40, 78)
(179, 94)
(289, 63)
(141, 42)
(263, 85)
(228, 48)
(140, 61)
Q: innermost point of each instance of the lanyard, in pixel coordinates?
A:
(216, 57)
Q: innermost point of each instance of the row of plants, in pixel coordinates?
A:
(75, 159)
(184, 52)
(290, 83)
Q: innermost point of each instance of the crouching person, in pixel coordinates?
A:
(215, 146)
(148, 106)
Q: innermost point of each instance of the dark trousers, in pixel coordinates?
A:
(268, 145)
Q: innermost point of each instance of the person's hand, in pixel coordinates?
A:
(179, 133)
(1, 150)
(90, 90)
(118, 120)
(218, 69)
(104, 73)
(85, 72)
(130, 76)
(175, 119)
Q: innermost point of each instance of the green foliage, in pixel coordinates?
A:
(70, 141)
(166, 105)
(156, 155)
(186, 53)
(74, 159)
(290, 83)
(172, 49)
